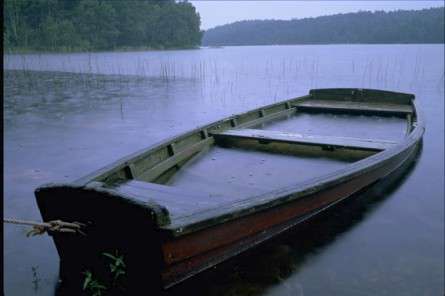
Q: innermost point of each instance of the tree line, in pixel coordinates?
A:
(79, 25)
(403, 26)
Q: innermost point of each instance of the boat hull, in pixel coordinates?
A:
(196, 252)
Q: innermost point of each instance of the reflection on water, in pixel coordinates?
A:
(69, 114)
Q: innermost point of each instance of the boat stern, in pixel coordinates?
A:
(114, 224)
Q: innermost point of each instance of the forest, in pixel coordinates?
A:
(402, 26)
(92, 25)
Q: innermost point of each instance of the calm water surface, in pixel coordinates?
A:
(66, 115)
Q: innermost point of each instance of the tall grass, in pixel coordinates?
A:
(221, 80)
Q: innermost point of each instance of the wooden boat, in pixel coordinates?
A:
(168, 234)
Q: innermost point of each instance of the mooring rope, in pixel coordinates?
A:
(39, 228)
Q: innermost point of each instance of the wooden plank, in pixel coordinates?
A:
(355, 107)
(266, 136)
(177, 201)
(363, 95)
(154, 172)
(267, 117)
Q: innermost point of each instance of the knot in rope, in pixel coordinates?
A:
(39, 228)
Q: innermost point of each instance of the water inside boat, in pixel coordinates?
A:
(222, 173)
(342, 125)
(239, 171)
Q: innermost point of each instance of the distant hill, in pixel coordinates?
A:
(402, 26)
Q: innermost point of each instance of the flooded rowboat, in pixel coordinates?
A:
(184, 205)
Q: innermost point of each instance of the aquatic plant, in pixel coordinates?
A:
(92, 285)
(117, 266)
(96, 287)
(35, 277)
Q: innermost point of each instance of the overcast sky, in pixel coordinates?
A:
(214, 13)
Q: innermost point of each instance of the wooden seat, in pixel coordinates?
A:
(177, 201)
(266, 136)
(355, 107)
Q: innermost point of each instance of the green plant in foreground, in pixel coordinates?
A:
(35, 277)
(92, 285)
(117, 266)
(117, 270)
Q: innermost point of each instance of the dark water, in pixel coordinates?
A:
(69, 114)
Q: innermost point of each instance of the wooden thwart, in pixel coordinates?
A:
(178, 201)
(355, 107)
(266, 136)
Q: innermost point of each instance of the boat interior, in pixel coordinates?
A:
(263, 150)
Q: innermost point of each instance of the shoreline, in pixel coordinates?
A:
(148, 49)
(311, 44)
(123, 49)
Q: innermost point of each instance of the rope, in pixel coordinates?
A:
(39, 228)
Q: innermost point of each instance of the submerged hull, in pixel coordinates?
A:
(239, 235)
(168, 235)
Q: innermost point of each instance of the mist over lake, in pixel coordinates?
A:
(66, 115)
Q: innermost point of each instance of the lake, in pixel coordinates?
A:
(66, 115)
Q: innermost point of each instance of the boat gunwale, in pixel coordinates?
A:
(128, 159)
